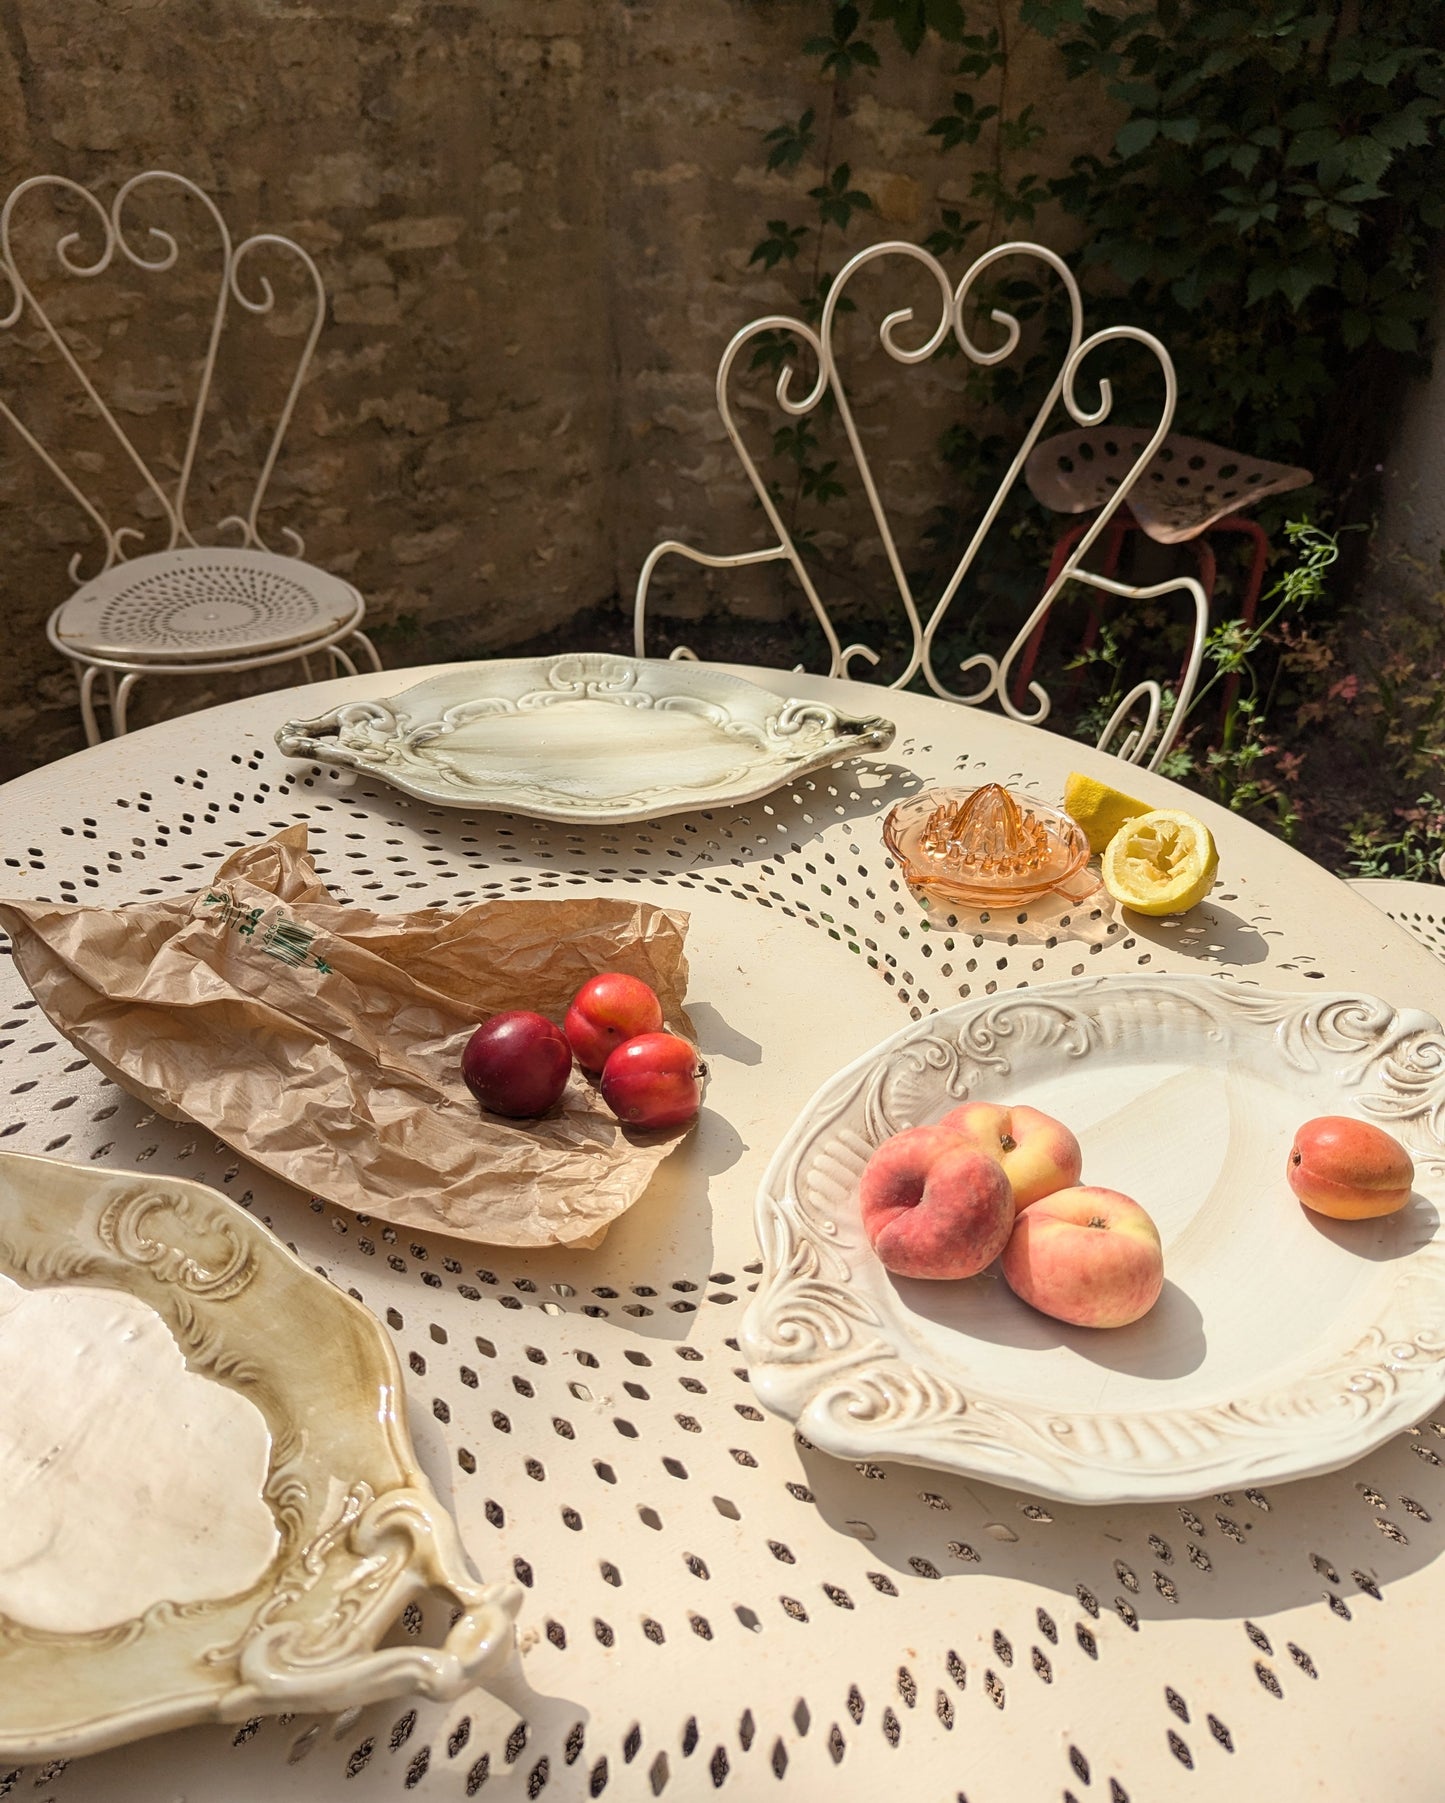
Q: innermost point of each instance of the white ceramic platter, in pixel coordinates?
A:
(588, 737)
(1283, 1344)
(209, 1504)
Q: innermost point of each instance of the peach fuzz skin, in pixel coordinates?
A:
(1349, 1169)
(1039, 1154)
(1090, 1257)
(934, 1207)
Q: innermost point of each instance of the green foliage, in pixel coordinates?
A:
(837, 201)
(912, 18)
(1411, 846)
(1271, 205)
(790, 143)
(841, 50)
(1245, 767)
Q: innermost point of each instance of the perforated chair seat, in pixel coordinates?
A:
(211, 604)
(1186, 486)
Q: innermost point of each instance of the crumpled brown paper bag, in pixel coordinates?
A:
(324, 1041)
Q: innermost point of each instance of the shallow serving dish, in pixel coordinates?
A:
(1283, 1344)
(211, 1508)
(588, 737)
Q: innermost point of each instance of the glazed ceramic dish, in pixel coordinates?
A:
(589, 738)
(210, 1507)
(1284, 1344)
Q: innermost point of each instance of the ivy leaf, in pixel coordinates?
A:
(912, 18)
(1021, 132)
(1135, 135)
(1310, 145)
(790, 143)
(1354, 328)
(1400, 130)
(952, 235)
(1362, 159)
(782, 244)
(963, 124)
(1394, 333)
(820, 484)
(1311, 116)
(770, 351)
(837, 202)
(842, 52)
(1049, 17)
(795, 442)
(1302, 277)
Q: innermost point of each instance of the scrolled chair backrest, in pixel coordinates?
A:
(154, 253)
(1163, 710)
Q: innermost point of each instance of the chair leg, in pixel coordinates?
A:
(122, 700)
(360, 638)
(306, 669)
(1236, 522)
(341, 659)
(87, 703)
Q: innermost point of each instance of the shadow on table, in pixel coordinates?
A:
(1211, 934)
(1088, 918)
(1247, 1554)
(1169, 1342)
(860, 790)
(508, 1729)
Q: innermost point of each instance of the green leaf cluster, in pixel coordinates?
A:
(1271, 204)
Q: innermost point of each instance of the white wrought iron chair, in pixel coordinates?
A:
(188, 608)
(1161, 720)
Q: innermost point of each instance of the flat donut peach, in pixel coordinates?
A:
(1039, 1154)
(934, 1207)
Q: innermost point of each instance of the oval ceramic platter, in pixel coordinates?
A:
(589, 737)
(209, 1505)
(1283, 1344)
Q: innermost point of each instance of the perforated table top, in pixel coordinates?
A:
(710, 1604)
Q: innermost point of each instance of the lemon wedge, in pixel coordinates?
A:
(1160, 863)
(1100, 810)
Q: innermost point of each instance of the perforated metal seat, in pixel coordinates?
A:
(214, 601)
(187, 609)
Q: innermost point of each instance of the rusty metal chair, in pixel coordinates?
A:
(1189, 490)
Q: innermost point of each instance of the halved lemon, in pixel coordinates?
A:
(1160, 863)
(1100, 810)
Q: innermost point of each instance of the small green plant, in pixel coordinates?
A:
(1246, 768)
(1411, 846)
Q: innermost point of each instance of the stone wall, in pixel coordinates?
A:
(534, 220)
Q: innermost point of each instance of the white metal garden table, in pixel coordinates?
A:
(710, 1604)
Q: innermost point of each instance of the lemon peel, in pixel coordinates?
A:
(1098, 809)
(1162, 862)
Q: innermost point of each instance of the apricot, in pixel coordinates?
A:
(1350, 1170)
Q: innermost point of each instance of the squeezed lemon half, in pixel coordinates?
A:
(1160, 863)
(1099, 810)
